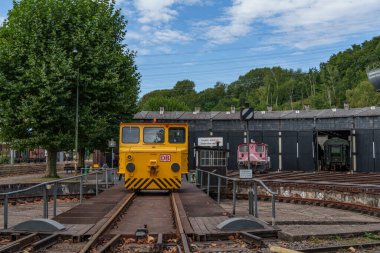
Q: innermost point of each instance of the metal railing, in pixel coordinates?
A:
(252, 194)
(45, 186)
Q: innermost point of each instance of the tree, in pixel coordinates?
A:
(363, 95)
(39, 75)
(169, 104)
(184, 87)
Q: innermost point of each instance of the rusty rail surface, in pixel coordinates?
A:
(106, 225)
(184, 239)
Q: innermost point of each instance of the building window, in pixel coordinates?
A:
(212, 158)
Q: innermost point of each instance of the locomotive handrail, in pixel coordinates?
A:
(262, 184)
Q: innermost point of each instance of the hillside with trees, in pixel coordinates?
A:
(341, 79)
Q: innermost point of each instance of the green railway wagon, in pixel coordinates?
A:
(337, 154)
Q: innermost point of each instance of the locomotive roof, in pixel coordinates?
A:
(264, 115)
(336, 141)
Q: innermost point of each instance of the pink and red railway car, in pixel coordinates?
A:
(259, 159)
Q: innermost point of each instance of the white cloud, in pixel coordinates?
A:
(167, 35)
(155, 11)
(161, 11)
(2, 20)
(154, 36)
(300, 23)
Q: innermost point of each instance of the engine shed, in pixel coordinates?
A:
(295, 137)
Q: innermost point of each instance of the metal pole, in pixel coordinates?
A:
(76, 123)
(112, 158)
(201, 179)
(96, 184)
(45, 207)
(55, 199)
(234, 198)
(255, 211)
(106, 178)
(273, 210)
(6, 212)
(81, 190)
(219, 180)
(250, 201)
(208, 183)
(248, 142)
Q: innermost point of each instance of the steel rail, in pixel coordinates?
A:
(19, 244)
(45, 242)
(178, 222)
(106, 225)
(107, 247)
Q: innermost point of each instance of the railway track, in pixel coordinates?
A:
(373, 211)
(343, 181)
(145, 222)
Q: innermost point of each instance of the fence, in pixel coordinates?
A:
(54, 186)
(252, 194)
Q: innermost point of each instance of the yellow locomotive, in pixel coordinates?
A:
(153, 156)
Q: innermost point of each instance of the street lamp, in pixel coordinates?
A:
(75, 52)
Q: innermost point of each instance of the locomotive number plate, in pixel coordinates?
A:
(165, 158)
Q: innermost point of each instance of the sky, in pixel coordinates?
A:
(210, 41)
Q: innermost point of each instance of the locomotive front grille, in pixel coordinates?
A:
(152, 183)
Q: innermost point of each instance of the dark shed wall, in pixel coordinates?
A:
(305, 149)
(289, 150)
(234, 139)
(377, 150)
(271, 138)
(364, 139)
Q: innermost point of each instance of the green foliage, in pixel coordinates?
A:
(169, 103)
(363, 95)
(38, 73)
(4, 160)
(372, 236)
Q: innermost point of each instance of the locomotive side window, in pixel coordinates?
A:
(131, 135)
(177, 135)
(154, 135)
(259, 148)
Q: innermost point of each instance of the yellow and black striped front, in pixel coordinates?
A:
(152, 183)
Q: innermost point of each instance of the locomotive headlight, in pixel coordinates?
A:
(131, 167)
(175, 167)
(129, 157)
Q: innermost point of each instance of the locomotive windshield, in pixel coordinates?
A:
(154, 135)
(243, 148)
(177, 135)
(131, 135)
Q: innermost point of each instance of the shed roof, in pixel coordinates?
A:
(262, 115)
